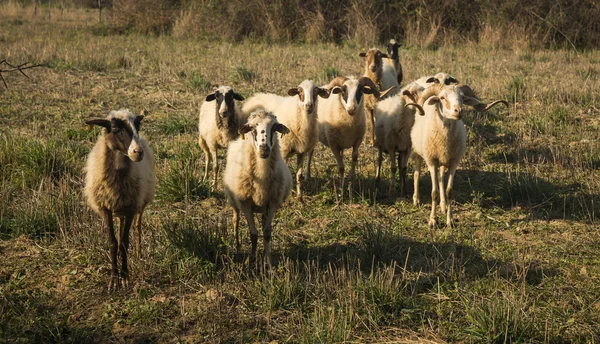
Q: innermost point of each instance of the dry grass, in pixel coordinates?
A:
(521, 266)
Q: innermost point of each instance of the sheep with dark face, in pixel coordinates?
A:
(219, 121)
(342, 119)
(439, 138)
(298, 112)
(120, 182)
(394, 59)
(256, 179)
(383, 76)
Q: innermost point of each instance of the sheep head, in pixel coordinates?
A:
(392, 49)
(374, 62)
(307, 93)
(443, 79)
(121, 133)
(225, 97)
(471, 99)
(448, 100)
(352, 91)
(262, 126)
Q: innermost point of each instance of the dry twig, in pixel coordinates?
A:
(13, 68)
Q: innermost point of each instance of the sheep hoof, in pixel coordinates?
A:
(125, 281)
(432, 223)
(113, 283)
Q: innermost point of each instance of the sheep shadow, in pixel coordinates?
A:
(541, 198)
(429, 261)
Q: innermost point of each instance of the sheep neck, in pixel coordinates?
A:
(306, 123)
(116, 164)
(228, 125)
(377, 77)
(262, 169)
(445, 124)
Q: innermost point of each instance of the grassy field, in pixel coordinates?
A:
(522, 264)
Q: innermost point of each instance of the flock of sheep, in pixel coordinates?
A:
(423, 119)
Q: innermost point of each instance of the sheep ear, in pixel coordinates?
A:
(237, 96)
(471, 101)
(411, 96)
(362, 54)
(246, 128)
(336, 90)
(281, 128)
(137, 121)
(433, 100)
(211, 97)
(432, 79)
(367, 90)
(293, 91)
(323, 93)
(451, 80)
(100, 122)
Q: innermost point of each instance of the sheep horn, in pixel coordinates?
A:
(385, 93)
(365, 81)
(421, 111)
(430, 91)
(338, 81)
(483, 107)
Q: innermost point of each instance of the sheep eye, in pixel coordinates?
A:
(443, 98)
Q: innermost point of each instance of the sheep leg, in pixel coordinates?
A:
(308, 163)
(441, 188)
(339, 158)
(393, 169)
(371, 115)
(215, 170)
(236, 227)
(207, 157)
(402, 162)
(433, 170)
(449, 187)
(418, 163)
(379, 161)
(267, 230)
(107, 223)
(354, 160)
(124, 246)
(138, 224)
(247, 210)
(299, 177)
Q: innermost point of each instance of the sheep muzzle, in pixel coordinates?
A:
(264, 151)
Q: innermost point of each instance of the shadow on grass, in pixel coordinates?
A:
(38, 319)
(543, 199)
(426, 262)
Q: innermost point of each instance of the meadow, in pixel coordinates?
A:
(521, 265)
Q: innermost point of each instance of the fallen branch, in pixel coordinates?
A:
(20, 68)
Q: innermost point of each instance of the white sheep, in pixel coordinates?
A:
(341, 119)
(439, 137)
(219, 120)
(298, 112)
(392, 132)
(383, 75)
(256, 179)
(120, 181)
